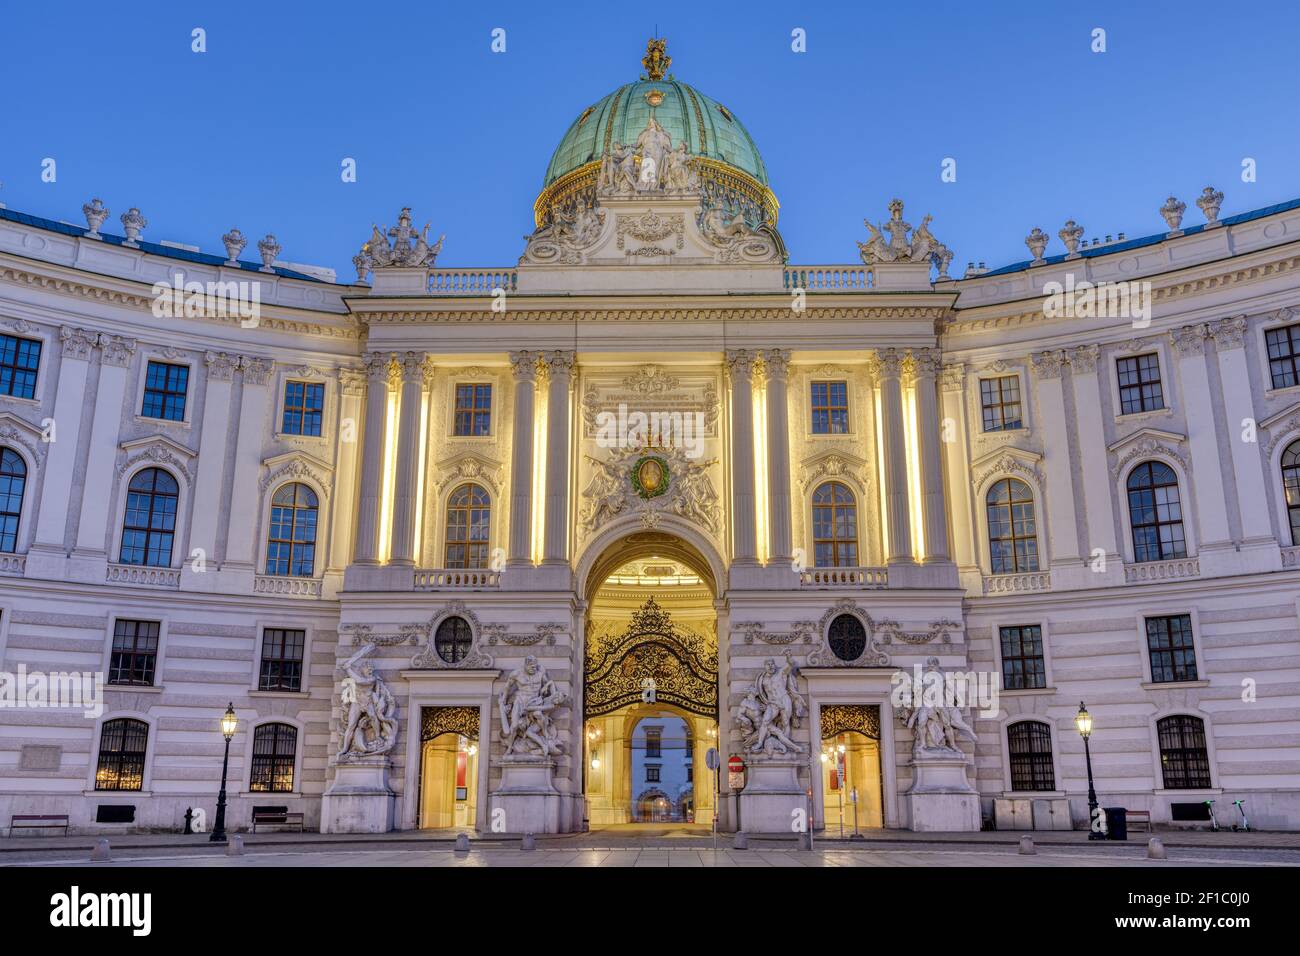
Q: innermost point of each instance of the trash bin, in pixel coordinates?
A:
(1116, 823)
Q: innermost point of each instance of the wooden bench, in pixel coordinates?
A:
(1139, 816)
(277, 818)
(38, 821)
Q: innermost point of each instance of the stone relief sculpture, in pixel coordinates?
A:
(409, 249)
(921, 247)
(936, 727)
(611, 492)
(370, 725)
(735, 238)
(771, 709)
(650, 165)
(525, 705)
(571, 229)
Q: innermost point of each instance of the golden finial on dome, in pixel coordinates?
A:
(656, 60)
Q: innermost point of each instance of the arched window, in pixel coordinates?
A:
(1184, 760)
(1013, 538)
(150, 524)
(291, 542)
(274, 746)
(1290, 486)
(13, 480)
(847, 637)
(1029, 743)
(122, 744)
(835, 526)
(1155, 513)
(453, 639)
(469, 512)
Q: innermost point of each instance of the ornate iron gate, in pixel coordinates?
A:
(682, 668)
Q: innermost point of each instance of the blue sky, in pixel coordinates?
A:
(252, 132)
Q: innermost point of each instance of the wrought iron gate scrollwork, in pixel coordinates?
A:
(842, 718)
(683, 666)
(436, 721)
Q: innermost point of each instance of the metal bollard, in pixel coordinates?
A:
(462, 843)
(102, 853)
(529, 842)
(1156, 849)
(1027, 847)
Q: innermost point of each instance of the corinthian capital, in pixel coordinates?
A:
(524, 366)
(740, 363)
(954, 377)
(925, 362)
(559, 361)
(115, 350)
(1189, 340)
(77, 343)
(412, 365)
(887, 364)
(257, 371)
(221, 365)
(377, 364)
(1083, 359)
(776, 363)
(1229, 333)
(1048, 364)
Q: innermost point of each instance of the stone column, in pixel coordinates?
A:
(241, 546)
(352, 386)
(776, 363)
(210, 477)
(372, 458)
(925, 368)
(524, 366)
(958, 466)
(70, 400)
(1211, 501)
(744, 533)
(559, 366)
(115, 355)
(407, 479)
(888, 372)
(1062, 521)
(1098, 483)
(1247, 465)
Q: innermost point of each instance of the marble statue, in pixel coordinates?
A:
(525, 707)
(654, 144)
(680, 176)
(571, 228)
(409, 249)
(370, 725)
(921, 247)
(936, 726)
(771, 709)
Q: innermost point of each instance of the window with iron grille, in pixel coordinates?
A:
(135, 652)
(1184, 760)
(1284, 355)
(830, 408)
(13, 482)
(847, 637)
(164, 391)
(274, 747)
(122, 745)
(1170, 644)
(453, 639)
(1139, 384)
(19, 361)
(1000, 401)
(304, 407)
(1029, 743)
(473, 410)
(282, 650)
(1022, 657)
(1155, 513)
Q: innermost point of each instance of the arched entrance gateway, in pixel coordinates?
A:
(650, 685)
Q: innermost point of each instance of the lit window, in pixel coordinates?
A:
(122, 744)
(274, 746)
(473, 410)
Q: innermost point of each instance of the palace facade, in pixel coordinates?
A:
(515, 548)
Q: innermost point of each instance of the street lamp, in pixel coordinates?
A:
(1083, 721)
(228, 724)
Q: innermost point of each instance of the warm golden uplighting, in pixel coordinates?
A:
(880, 472)
(419, 480)
(390, 478)
(915, 500)
(760, 475)
(538, 543)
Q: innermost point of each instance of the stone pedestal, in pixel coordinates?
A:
(941, 797)
(527, 796)
(359, 800)
(772, 794)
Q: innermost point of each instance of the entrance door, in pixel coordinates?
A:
(852, 791)
(448, 767)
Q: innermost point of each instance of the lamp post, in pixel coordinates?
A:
(1083, 721)
(228, 724)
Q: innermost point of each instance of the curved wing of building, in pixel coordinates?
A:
(515, 547)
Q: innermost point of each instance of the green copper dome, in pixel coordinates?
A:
(708, 128)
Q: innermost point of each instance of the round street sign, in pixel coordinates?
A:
(735, 764)
(711, 758)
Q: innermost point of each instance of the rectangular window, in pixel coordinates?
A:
(135, 652)
(1139, 384)
(653, 743)
(473, 410)
(1022, 657)
(164, 391)
(830, 408)
(652, 774)
(282, 650)
(19, 359)
(304, 403)
(1173, 653)
(1284, 355)
(1000, 401)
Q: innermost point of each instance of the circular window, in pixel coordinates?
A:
(452, 640)
(847, 637)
